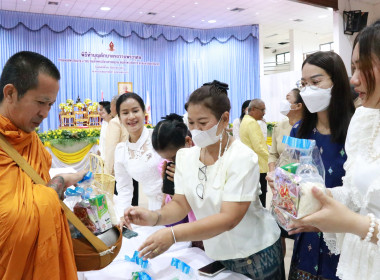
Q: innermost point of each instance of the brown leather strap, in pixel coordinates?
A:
(24, 165)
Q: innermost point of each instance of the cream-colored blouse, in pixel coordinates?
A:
(281, 129)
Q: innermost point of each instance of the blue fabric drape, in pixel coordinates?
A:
(183, 59)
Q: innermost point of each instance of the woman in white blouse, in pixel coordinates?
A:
(136, 158)
(354, 212)
(219, 180)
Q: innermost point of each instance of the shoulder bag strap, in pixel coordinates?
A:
(28, 169)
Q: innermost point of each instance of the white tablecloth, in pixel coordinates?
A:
(160, 268)
(83, 164)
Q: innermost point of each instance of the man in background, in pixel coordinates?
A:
(252, 136)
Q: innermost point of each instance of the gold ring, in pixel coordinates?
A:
(155, 251)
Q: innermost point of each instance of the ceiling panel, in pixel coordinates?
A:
(276, 16)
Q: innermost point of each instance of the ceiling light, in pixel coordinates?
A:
(228, 8)
(141, 13)
(105, 8)
(212, 21)
(202, 20)
(257, 13)
(66, 5)
(196, 3)
(173, 16)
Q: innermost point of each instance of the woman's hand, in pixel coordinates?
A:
(156, 244)
(332, 217)
(140, 216)
(170, 170)
(270, 180)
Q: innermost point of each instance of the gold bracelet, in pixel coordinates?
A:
(158, 217)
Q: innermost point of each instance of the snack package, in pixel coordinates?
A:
(99, 206)
(302, 170)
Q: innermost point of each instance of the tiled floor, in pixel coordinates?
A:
(289, 243)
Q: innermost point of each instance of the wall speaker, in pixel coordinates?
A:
(354, 21)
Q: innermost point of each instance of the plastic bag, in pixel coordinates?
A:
(92, 205)
(299, 168)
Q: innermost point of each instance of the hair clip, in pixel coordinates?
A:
(218, 85)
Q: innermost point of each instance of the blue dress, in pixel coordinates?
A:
(311, 258)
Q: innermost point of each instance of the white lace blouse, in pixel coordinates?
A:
(140, 162)
(361, 193)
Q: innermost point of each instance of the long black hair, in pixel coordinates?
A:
(341, 106)
(243, 107)
(169, 133)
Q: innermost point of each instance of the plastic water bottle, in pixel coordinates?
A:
(306, 167)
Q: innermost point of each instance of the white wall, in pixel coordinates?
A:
(274, 88)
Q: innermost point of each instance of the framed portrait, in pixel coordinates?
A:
(123, 87)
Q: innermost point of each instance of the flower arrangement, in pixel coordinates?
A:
(271, 125)
(62, 106)
(87, 101)
(95, 104)
(68, 137)
(69, 102)
(67, 109)
(92, 108)
(148, 125)
(79, 105)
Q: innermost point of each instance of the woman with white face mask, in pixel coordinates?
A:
(292, 107)
(219, 180)
(355, 218)
(325, 89)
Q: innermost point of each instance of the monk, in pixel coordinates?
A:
(35, 241)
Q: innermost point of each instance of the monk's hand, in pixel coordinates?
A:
(62, 181)
(156, 244)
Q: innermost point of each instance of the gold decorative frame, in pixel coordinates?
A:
(123, 87)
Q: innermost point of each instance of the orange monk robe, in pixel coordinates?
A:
(35, 241)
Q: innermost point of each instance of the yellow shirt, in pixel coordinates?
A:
(252, 136)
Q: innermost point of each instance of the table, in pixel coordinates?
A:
(160, 268)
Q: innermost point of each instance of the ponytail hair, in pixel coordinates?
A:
(171, 132)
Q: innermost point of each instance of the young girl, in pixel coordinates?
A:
(170, 135)
(136, 158)
(219, 180)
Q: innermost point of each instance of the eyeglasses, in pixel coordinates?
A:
(301, 85)
(262, 110)
(202, 177)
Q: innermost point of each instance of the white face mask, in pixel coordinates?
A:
(204, 138)
(316, 100)
(285, 107)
